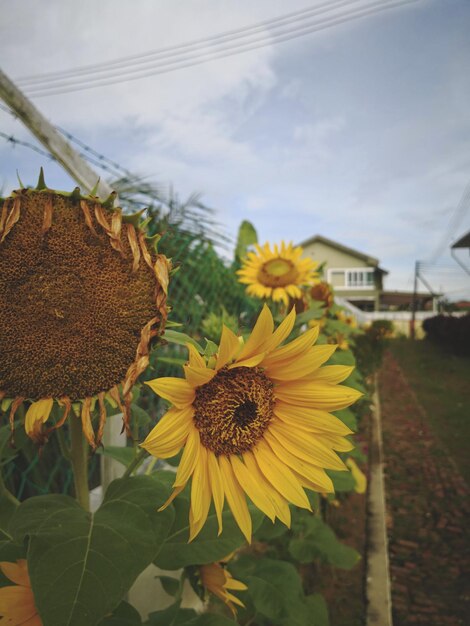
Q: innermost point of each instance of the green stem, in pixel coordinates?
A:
(64, 449)
(135, 463)
(6, 493)
(79, 460)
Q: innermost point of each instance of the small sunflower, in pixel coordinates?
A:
(82, 296)
(323, 293)
(216, 578)
(277, 273)
(254, 421)
(349, 320)
(17, 607)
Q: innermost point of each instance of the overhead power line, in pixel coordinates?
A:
(202, 42)
(144, 69)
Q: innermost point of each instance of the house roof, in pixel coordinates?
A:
(370, 260)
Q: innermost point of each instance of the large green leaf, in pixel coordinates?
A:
(173, 615)
(209, 619)
(247, 236)
(207, 547)
(81, 565)
(123, 615)
(342, 481)
(274, 593)
(122, 454)
(314, 539)
(7, 510)
(174, 336)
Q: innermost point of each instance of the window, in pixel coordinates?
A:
(360, 278)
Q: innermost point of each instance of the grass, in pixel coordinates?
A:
(441, 383)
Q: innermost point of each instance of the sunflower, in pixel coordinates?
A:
(323, 293)
(81, 297)
(255, 420)
(216, 578)
(277, 273)
(17, 607)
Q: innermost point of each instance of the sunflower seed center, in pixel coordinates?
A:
(277, 273)
(234, 409)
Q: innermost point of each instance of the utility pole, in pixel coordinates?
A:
(86, 177)
(413, 303)
(51, 139)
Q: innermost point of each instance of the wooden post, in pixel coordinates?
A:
(51, 139)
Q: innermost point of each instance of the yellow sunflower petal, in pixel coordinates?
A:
(262, 330)
(197, 376)
(307, 446)
(217, 487)
(315, 474)
(195, 359)
(319, 396)
(17, 604)
(253, 361)
(281, 507)
(280, 334)
(304, 364)
(37, 414)
(189, 458)
(253, 489)
(168, 436)
(176, 390)
(16, 572)
(293, 349)
(279, 475)
(358, 475)
(280, 295)
(236, 585)
(229, 345)
(235, 498)
(200, 495)
(332, 374)
(341, 444)
(310, 419)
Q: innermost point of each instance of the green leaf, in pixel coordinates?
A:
(176, 552)
(266, 598)
(315, 312)
(318, 609)
(209, 619)
(315, 539)
(81, 565)
(342, 481)
(124, 615)
(247, 236)
(123, 454)
(7, 510)
(171, 616)
(170, 585)
(174, 336)
(268, 531)
(274, 590)
(347, 417)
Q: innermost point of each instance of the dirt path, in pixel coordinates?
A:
(428, 511)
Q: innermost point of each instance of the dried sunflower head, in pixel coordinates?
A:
(82, 295)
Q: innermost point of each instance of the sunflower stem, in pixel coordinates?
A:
(4, 492)
(135, 463)
(79, 460)
(64, 449)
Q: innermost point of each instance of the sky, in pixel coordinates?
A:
(359, 132)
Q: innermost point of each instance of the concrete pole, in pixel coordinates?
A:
(50, 138)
